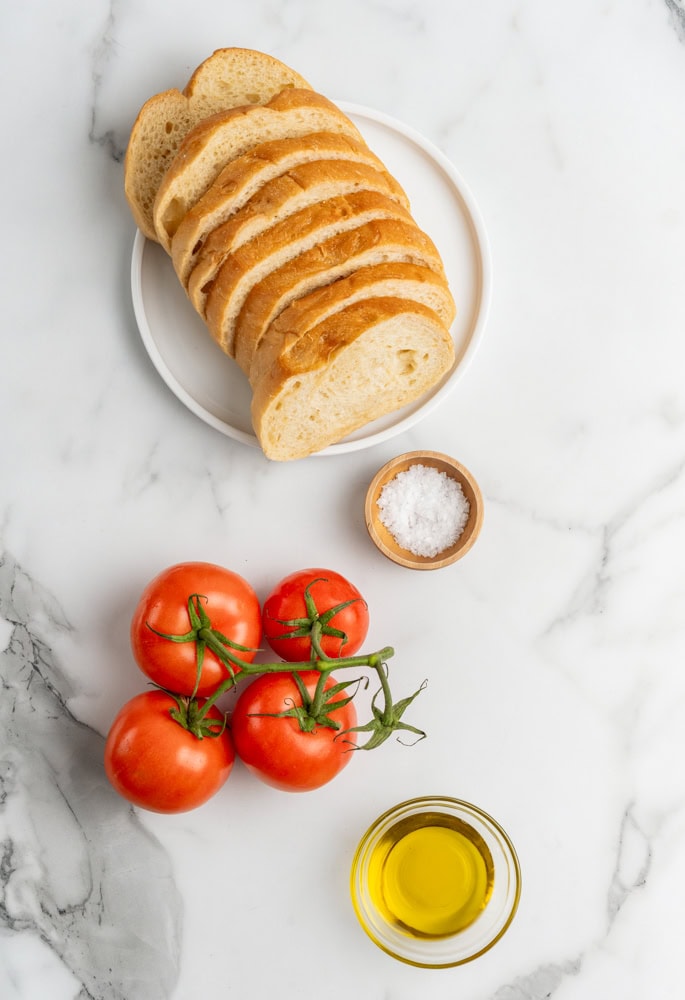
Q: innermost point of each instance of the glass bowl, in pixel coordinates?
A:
(435, 882)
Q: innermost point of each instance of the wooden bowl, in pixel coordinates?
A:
(384, 540)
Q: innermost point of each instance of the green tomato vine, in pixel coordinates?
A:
(387, 716)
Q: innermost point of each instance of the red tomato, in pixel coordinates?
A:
(155, 763)
(231, 606)
(276, 749)
(287, 604)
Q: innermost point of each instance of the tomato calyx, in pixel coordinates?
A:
(388, 719)
(315, 710)
(205, 637)
(193, 716)
(316, 624)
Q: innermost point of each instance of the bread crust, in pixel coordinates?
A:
(375, 242)
(368, 360)
(242, 76)
(221, 137)
(396, 279)
(230, 77)
(244, 178)
(302, 187)
(253, 261)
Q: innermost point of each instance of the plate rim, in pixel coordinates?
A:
(481, 243)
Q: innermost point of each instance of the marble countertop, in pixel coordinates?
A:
(553, 651)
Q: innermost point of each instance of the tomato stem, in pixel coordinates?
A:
(315, 710)
(319, 696)
(386, 717)
(245, 669)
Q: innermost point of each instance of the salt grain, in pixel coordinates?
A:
(425, 510)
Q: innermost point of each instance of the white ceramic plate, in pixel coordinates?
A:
(212, 386)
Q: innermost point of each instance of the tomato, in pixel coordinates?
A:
(155, 763)
(342, 633)
(226, 598)
(275, 749)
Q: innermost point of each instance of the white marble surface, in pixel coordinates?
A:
(554, 651)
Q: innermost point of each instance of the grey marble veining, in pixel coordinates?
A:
(633, 861)
(677, 10)
(79, 874)
(104, 50)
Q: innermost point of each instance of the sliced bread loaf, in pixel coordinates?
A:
(376, 242)
(207, 149)
(370, 359)
(250, 263)
(295, 244)
(229, 78)
(243, 176)
(390, 280)
(279, 199)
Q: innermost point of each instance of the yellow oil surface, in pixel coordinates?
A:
(431, 875)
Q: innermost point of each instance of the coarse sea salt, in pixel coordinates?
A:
(425, 510)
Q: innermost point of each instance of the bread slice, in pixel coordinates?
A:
(297, 189)
(376, 242)
(216, 140)
(370, 359)
(253, 261)
(392, 280)
(229, 78)
(243, 176)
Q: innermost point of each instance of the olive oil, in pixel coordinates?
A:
(430, 875)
